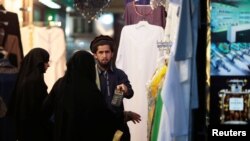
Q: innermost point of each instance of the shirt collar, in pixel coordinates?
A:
(111, 69)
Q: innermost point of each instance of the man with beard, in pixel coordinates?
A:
(110, 78)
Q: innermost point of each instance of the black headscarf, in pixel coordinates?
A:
(80, 110)
(29, 92)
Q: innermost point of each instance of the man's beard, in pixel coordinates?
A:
(104, 65)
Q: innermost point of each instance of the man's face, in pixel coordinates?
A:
(103, 55)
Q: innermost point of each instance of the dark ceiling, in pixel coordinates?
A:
(116, 6)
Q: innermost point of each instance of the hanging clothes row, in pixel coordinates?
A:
(179, 91)
(8, 75)
(155, 84)
(168, 115)
(138, 54)
(162, 127)
(11, 38)
(10, 61)
(51, 39)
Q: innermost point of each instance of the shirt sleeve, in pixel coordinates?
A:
(123, 78)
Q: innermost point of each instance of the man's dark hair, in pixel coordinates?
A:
(102, 40)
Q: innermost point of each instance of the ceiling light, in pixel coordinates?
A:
(50, 4)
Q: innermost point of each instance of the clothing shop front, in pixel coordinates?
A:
(171, 50)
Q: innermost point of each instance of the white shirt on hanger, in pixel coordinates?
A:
(137, 55)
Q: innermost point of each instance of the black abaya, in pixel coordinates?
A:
(79, 110)
(28, 95)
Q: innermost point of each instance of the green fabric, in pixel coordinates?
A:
(157, 117)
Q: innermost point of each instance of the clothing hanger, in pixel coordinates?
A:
(140, 14)
(142, 5)
(164, 50)
(54, 24)
(137, 3)
(142, 23)
(47, 24)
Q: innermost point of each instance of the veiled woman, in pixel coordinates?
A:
(80, 112)
(28, 95)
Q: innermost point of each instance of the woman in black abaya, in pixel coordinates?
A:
(28, 95)
(78, 108)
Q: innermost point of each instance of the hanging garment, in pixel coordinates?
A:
(133, 14)
(174, 99)
(154, 88)
(12, 47)
(137, 56)
(8, 75)
(27, 38)
(53, 40)
(160, 125)
(11, 27)
(179, 92)
(7, 80)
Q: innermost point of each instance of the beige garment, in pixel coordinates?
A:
(27, 38)
(53, 40)
(13, 48)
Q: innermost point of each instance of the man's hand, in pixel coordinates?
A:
(123, 88)
(131, 116)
